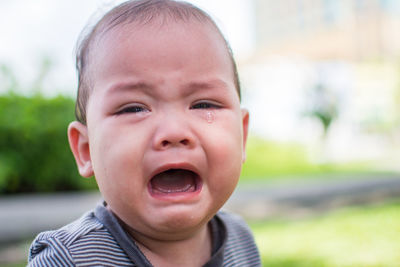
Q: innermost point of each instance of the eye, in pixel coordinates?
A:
(132, 109)
(205, 105)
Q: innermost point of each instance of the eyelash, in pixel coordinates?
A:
(205, 105)
(132, 109)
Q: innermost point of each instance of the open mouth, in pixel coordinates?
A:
(175, 181)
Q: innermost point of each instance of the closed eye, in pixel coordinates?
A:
(205, 105)
(132, 109)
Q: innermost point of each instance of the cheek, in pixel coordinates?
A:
(225, 155)
(227, 137)
(117, 156)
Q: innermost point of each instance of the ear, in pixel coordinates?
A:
(245, 123)
(79, 144)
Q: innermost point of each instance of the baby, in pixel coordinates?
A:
(159, 125)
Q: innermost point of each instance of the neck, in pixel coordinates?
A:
(194, 250)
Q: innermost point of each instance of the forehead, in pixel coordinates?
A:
(181, 38)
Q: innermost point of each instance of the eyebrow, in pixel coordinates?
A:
(128, 86)
(209, 84)
(189, 88)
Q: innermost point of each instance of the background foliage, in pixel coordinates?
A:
(272, 160)
(34, 150)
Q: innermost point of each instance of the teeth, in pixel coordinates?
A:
(174, 181)
(185, 189)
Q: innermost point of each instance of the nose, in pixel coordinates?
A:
(173, 131)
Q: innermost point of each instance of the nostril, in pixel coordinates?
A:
(185, 142)
(165, 143)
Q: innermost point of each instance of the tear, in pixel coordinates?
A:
(210, 116)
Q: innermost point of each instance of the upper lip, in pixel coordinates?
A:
(174, 166)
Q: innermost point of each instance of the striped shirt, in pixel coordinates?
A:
(97, 239)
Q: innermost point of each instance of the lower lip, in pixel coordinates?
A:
(177, 196)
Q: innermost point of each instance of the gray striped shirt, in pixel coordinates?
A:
(97, 239)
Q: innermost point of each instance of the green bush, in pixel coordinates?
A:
(34, 150)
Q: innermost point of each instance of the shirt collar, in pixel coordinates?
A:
(111, 222)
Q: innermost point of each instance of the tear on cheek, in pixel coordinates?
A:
(210, 116)
(173, 182)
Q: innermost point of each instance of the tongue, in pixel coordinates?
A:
(174, 181)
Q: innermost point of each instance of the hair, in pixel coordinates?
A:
(135, 11)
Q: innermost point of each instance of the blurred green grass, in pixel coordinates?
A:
(272, 160)
(352, 237)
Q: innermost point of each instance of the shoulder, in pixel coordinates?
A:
(81, 241)
(240, 247)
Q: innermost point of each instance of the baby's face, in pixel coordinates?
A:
(166, 131)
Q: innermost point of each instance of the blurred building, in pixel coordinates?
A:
(329, 29)
(350, 49)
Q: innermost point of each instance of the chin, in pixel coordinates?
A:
(180, 219)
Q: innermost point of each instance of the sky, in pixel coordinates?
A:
(34, 30)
